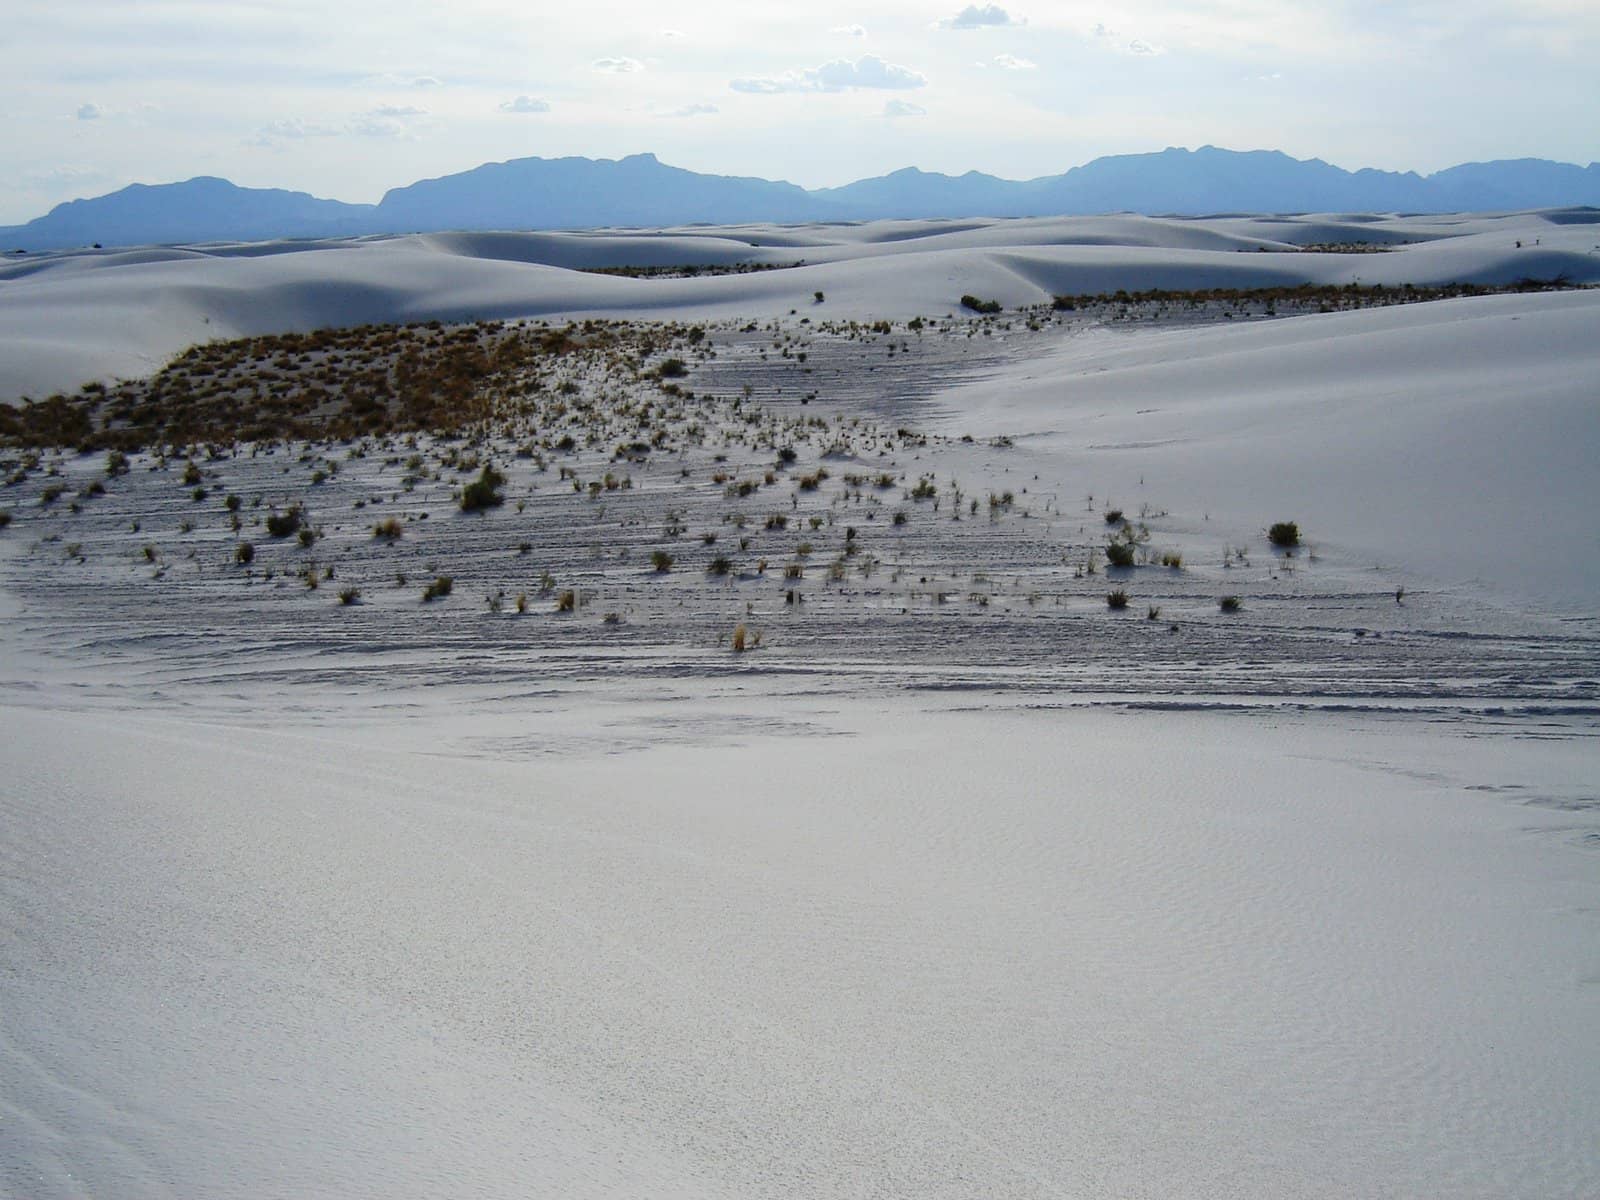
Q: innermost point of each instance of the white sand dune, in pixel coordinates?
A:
(1284, 957)
(69, 318)
(963, 884)
(1453, 440)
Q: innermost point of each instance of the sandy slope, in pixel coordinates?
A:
(71, 317)
(1456, 440)
(1153, 955)
(921, 900)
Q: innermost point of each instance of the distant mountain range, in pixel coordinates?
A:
(567, 193)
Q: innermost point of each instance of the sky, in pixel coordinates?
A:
(348, 98)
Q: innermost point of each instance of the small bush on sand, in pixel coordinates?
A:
(661, 561)
(281, 525)
(720, 565)
(5, 519)
(1119, 554)
(388, 529)
(1230, 604)
(349, 595)
(980, 306)
(567, 601)
(483, 492)
(1284, 534)
(438, 589)
(244, 553)
(1117, 599)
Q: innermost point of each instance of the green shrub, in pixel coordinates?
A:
(1284, 534)
(980, 306)
(1117, 599)
(720, 565)
(1230, 604)
(673, 368)
(567, 601)
(438, 589)
(483, 492)
(281, 525)
(661, 560)
(349, 595)
(244, 553)
(388, 529)
(1119, 554)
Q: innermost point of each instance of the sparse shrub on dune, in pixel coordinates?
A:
(483, 492)
(1230, 604)
(281, 525)
(244, 553)
(1284, 534)
(388, 529)
(972, 302)
(438, 589)
(349, 595)
(661, 561)
(1117, 599)
(1119, 554)
(567, 601)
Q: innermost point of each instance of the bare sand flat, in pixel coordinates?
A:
(959, 878)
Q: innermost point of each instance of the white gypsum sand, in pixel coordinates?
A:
(956, 881)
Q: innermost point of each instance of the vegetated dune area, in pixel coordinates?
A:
(1098, 707)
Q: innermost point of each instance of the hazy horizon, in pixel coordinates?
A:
(345, 106)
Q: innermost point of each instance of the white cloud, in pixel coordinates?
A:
(294, 129)
(903, 108)
(392, 80)
(525, 104)
(856, 31)
(1114, 40)
(868, 71)
(618, 66)
(90, 112)
(1010, 62)
(387, 120)
(990, 16)
(690, 110)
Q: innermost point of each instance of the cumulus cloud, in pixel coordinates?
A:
(855, 31)
(868, 71)
(387, 120)
(903, 108)
(1010, 62)
(294, 129)
(392, 80)
(990, 16)
(525, 104)
(690, 110)
(90, 112)
(618, 66)
(1114, 40)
